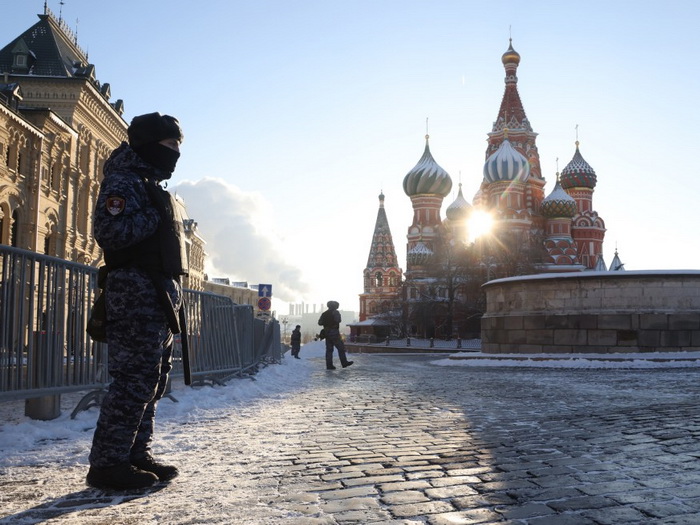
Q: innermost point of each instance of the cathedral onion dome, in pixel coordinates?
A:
(578, 173)
(459, 209)
(511, 56)
(506, 164)
(420, 254)
(558, 203)
(427, 177)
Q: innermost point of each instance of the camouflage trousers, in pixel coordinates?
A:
(139, 363)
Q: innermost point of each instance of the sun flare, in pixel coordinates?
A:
(480, 224)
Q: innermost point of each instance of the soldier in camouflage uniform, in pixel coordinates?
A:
(140, 231)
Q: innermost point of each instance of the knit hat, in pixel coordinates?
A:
(332, 304)
(153, 127)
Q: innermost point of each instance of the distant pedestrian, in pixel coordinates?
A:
(139, 228)
(296, 341)
(330, 320)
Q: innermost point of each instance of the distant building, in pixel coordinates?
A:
(238, 294)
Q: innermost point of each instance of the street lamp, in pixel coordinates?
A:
(284, 323)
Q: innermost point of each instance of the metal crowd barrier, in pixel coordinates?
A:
(45, 303)
(44, 351)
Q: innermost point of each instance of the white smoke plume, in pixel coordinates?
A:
(240, 241)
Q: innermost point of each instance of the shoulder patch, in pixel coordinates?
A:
(115, 205)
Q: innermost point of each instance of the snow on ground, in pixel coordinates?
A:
(22, 438)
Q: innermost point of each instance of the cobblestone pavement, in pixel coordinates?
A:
(398, 440)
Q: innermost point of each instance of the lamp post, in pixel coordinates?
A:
(284, 333)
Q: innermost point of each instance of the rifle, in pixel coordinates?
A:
(184, 345)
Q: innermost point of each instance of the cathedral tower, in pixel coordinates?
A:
(513, 125)
(382, 275)
(578, 179)
(427, 184)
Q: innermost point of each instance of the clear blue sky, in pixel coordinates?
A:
(297, 114)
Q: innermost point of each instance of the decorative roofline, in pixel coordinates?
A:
(63, 26)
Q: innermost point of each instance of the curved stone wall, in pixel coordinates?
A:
(593, 312)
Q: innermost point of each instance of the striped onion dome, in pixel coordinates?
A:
(558, 203)
(420, 254)
(578, 173)
(459, 209)
(427, 177)
(506, 164)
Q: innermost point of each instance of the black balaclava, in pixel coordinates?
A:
(145, 133)
(160, 156)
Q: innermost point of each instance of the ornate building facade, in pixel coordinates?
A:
(57, 128)
(531, 233)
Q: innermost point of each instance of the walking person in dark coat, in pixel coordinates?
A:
(296, 341)
(330, 320)
(140, 230)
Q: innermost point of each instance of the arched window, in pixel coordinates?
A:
(378, 278)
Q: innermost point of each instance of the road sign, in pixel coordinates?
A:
(264, 290)
(264, 304)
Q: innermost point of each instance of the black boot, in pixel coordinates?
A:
(347, 363)
(164, 472)
(120, 477)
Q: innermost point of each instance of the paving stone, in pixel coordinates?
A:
(372, 480)
(348, 493)
(404, 485)
(465, 517)
(528, 510)
(616, 515)
(483, 500)
(563, 519)
(688, 519)
(420, 509)
(454, 480)
(582, 503)
(344, 505)
(430, 475)
(406, 496)
(662, 509)
(451, 491)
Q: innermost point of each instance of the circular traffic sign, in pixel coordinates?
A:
(264, 303)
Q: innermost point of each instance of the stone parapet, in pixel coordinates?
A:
(593, 312)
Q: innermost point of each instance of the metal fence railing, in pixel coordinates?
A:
(45, 304)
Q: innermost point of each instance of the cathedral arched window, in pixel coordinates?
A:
(378, 278)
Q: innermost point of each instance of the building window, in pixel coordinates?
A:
(379, 278)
